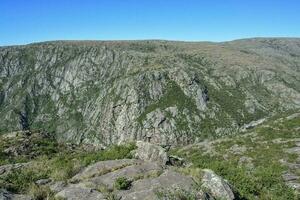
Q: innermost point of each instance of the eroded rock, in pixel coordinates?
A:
(75, 192)
(147, 188)
(151, 152)
(103, 167)
(146, 169)
(217, 186)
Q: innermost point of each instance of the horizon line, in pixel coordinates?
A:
(141, 40)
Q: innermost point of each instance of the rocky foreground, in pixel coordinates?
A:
(151, 175)
(263, 162)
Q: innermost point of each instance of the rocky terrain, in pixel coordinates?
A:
(150, 173)
(263, 162)
(150, 120)
(165, 92)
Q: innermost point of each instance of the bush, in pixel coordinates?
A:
(20, 180)
(40, 192)
(122, 183)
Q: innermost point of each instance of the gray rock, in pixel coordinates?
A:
(294, 185)
(5, 169)
(151, 152)
(130, 172)
(57, 186)
(78, 192)
(252, 124)
(295, 150)
(5, 195)
(246, 161)
(218, 187)
(147, 188)
(176, 161)
(290, 177)
(102, 167)
(43, 181)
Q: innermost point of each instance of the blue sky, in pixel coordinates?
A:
(26, 21)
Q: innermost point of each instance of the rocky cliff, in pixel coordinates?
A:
(169, 92)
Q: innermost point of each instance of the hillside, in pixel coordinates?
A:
(261, 163)
(109, 92)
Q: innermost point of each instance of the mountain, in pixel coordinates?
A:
(107, 92)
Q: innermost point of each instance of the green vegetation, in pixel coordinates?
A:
(178, 194)
(122, 183)
(52, 160)
(260, 177)
(174, 96)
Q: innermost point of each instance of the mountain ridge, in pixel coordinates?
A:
(150, 40)
(169, 92)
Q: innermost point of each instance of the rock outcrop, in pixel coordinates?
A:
(149, 179)
(218, 187)
(151, 152)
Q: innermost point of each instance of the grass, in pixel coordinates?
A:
(52, 160)
(176, 194)
(264, 180)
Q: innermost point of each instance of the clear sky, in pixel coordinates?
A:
(26, 21)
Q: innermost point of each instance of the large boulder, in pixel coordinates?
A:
(151, 152)
(217, 186)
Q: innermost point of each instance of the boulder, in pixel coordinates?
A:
(217, 186)
(147, 188)
(176, 161)
(57, 186)
(102, 167)
(151, 152)
(78, 192)
(43, 181)
(146, 169)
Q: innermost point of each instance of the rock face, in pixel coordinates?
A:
(216, 185)
(151, 152)
(171, 92)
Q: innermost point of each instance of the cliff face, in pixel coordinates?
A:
(170, 92)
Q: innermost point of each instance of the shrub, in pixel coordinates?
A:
(122, 183)
(20, 180)
(40, 192)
